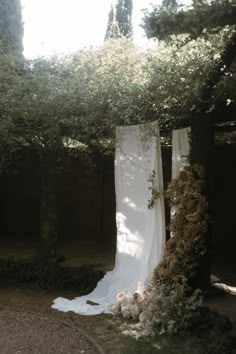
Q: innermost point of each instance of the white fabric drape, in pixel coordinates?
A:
(180, 150)
(140, 231)
(180, 153)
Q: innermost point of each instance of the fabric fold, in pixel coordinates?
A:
(180, 150)
(140, 230)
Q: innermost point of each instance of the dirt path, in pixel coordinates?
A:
(28, 325)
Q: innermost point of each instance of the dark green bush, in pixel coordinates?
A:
(50, 275)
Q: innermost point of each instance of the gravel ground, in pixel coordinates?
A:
(28, 325)
(27, 333)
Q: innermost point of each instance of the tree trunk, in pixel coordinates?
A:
(202, 143)
(48, 211)
(202, 140)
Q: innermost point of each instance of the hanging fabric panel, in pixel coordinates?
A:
(180, 150)
(140, 230)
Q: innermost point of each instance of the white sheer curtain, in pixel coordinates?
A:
(140, 231)
(180, 150)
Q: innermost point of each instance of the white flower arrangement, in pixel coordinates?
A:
(130, 305)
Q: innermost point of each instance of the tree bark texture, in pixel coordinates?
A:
(48, 212)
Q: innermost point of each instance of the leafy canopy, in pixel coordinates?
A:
(50, 103)
(171, 17)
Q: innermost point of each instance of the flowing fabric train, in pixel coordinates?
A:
(140, 231)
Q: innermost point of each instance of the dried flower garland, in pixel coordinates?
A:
(155, 193)
(170, 305)
(188, 227)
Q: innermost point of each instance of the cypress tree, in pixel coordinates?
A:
(11, 27)
(120, 20)
(110, 24)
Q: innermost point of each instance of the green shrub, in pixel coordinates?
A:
(50, 275)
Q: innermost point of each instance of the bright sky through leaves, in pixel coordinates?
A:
(53, 26)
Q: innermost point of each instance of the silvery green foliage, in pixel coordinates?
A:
(83, 97)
